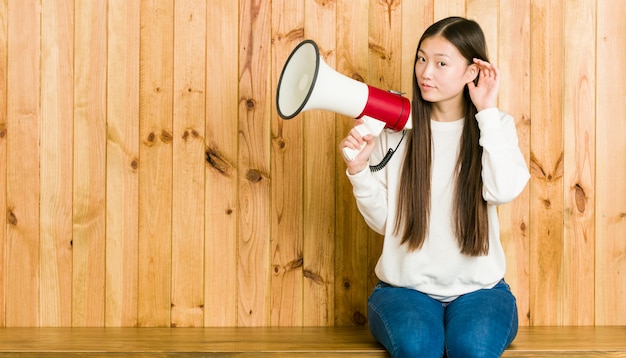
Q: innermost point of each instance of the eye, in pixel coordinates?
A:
(421, 59)
(441, 64)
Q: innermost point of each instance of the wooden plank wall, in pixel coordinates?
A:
(147, 180)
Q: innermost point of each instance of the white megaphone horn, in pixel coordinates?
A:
(307, 82)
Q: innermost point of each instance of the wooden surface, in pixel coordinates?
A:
(88, 242)
(147, 180)
(22, 190)
(610, 214)
(569, 341)
(154, 259)
(188, 164)
(288, 342)
(191, 342)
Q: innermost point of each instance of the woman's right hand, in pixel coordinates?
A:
(354, 140)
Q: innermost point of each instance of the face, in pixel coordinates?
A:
(442, 71)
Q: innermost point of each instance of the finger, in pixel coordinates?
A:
(352, 142)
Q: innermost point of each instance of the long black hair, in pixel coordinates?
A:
(470, 221)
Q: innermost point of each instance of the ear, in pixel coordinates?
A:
(471, 74)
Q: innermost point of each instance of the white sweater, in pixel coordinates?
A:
(438, 268)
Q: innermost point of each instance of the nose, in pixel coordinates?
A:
(423, 71)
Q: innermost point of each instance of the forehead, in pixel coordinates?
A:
(439, 46)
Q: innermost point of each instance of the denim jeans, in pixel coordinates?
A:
(412, 324)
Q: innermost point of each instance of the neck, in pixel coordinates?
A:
(443, 115)
(447, 111)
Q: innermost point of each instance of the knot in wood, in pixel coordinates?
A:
(217, 161)
(313, 276)
(581, 198)
(254, 176)
(11, 218)
(250, 104)
(325, 3)
(190, 133)
(359, 319)
(166, 136)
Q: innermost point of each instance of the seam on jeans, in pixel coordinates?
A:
(503, 347)
(391, 341)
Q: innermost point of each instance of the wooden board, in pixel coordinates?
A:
(56, 164)
(319, 145)
(286, 252)
(286, 342)
(579, 165)
(546, 165)
(221, 213)
(188, 164)
(351, 232)
(22, 166)
(143, 164)
(610, 190)
(3, 153)
(122, 160)
(155, 169)
(514, 64)
(253, 264)
(89, 209)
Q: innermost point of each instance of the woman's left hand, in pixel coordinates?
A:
(484, 94)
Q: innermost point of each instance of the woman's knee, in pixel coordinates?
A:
(481, 324)
(406, 323)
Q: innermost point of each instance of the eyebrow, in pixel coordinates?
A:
(436, 54)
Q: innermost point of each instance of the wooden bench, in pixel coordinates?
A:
(276, 342)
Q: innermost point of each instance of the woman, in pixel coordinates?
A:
(442, 289)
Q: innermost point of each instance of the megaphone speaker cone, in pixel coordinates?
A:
(297, 79)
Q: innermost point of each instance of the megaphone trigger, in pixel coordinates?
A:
(369, 126)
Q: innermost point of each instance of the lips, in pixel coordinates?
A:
(426, 86)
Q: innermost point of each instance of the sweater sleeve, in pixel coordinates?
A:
(370, 188)
(371, 199)
(504, 173)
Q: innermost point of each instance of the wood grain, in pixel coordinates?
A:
(221, 209)
(351, 232)
(610, 190)
(89, 205)
(253, 266)
(546, 165)
(3, 153)
(579, 164)
(22, 166)
(155, 170)
(287, 256)
(56, 166)
(122, 164)
(416, 17)
(514, 64)
(319, 143)
(188, 164)
(445, 8)
(143, 164)
(543, 341)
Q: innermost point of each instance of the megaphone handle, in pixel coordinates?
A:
(369, 126)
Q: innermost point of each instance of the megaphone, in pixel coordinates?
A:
(307, 82)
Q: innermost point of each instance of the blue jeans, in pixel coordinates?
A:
(412, 324)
